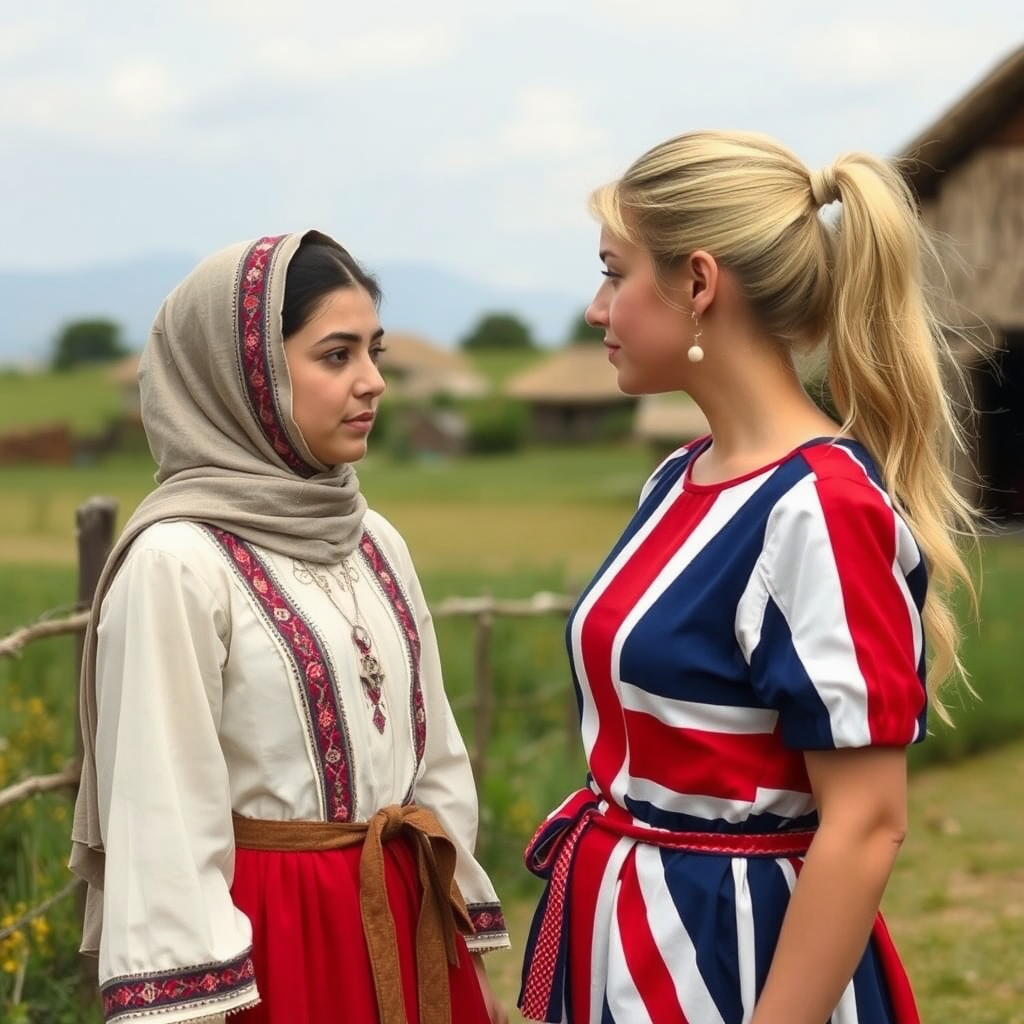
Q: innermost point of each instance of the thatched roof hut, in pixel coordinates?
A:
(573, 396)
(418, 368)
(667, 421)
(967, 169)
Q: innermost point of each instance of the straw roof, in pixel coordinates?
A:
(125, 371)
(672, 417)
(577, 374)
(407, 352)
(973, 119)
(422, 369)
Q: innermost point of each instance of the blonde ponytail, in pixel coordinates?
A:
(886, 360)
(856, 282)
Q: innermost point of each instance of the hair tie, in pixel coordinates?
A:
(824, 189)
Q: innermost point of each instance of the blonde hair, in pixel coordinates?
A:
(857, 282)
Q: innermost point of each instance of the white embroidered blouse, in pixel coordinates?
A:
(195, 635)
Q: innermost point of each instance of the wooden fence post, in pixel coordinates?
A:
(94, 530)
(484, 706)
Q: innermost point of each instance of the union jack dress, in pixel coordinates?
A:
(733, 627)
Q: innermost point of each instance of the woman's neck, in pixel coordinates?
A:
(756, 407)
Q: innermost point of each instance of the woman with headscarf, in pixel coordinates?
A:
(277, 813)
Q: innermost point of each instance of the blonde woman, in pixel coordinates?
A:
(277, 813)
(750, 659)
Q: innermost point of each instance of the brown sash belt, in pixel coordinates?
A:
(442, 911)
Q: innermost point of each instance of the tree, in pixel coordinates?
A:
(581, 331)
(87, 341)
(498, 331)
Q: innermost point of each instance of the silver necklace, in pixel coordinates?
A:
(371, 674)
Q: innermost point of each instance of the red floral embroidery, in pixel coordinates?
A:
(487, 918)
(170, 988)
(319, 689)
(377, 561)
(254, 352)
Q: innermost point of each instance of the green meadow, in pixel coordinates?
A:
(510, 526)
(84, 399)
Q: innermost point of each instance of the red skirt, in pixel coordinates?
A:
(309, 953)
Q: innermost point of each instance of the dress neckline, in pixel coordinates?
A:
(721, 485)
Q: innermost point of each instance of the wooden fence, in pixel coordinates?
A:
(94, 522)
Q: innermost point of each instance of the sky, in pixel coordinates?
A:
(463, 134)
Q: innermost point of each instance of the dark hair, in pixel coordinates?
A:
(314, 272)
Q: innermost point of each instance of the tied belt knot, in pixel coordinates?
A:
(551, 853)
(442, 911)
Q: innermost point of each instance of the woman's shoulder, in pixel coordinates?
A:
(382, 528)
(386, 535)
(175, 556)
(180, 538)
(173, 547)
(839, 494)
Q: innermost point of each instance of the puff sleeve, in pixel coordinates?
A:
(831, 621)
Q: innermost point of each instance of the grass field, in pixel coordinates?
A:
(83, 399)
(550, 507)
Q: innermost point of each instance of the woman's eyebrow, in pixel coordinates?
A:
(349, 336)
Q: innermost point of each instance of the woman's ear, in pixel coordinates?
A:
(702, 273)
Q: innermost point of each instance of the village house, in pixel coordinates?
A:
(573, 396)
(967, 170)
(667, 421)
(416, 368)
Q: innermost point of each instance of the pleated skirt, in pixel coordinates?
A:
(310, 956)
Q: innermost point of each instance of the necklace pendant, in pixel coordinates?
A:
(361, 639)
(371, 683)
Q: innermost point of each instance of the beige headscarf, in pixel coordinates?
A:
(216, 405)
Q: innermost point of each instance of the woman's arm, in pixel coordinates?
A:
(861, 798)
(173, 946)
(495, 1011)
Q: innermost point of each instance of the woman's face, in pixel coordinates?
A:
(332, 362)
(646, 337)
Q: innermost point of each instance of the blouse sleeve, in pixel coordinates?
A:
(445, 784)
(831, 622)
(173, 946)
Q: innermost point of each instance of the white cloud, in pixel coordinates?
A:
(19, 42)
(549, 125)
(674, 13)
(862, 52)
(129, 105)
(339, 54)
(143, 90)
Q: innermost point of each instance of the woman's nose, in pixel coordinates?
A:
(596, 314)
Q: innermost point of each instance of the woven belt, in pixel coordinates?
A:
(551, 853)
(442, 911)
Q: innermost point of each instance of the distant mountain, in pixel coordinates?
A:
(439, 304)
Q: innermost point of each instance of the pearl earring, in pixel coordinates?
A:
(695, 353)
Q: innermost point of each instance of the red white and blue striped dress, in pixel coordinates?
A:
(733, 627)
